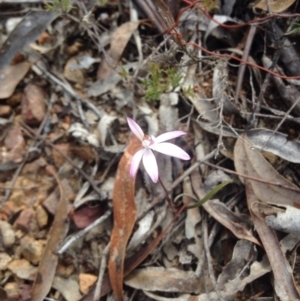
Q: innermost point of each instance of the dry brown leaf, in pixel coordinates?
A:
(47, 267)
(164, 280)
(276, 6)
(221, 213)
(118, 43)
(10, 78)
(249, 161)
(84, 152)
(51, 203)
(232, 221)
(124, 218)
(284, 218)
(283, 278)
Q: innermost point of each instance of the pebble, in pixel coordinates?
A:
(7, 233)
(31, 249)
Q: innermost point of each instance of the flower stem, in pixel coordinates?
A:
(167, 195)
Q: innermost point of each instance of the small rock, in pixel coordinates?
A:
(14, 139)
(31, 249)
(23, 269)
(33, 104)
(52, 201)
(5, 259)
(15, 143)
(5, 111)
(12, 290)
(41, 216)
(7, 233)
(86, 281)
(73, 73)
(8, 209)
(25, 220)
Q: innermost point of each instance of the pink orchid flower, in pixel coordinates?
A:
(156, 144)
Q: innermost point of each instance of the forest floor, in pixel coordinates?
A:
(211, 214)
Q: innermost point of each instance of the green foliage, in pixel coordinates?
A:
(174, 76)
(189, 92)
(102, 2)
(295, 31)
(154, 84)
(124, 73)
(210, 194)
(59, 6)
(210, 5)
(159, 81)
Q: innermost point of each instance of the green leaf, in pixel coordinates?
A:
(210, 194)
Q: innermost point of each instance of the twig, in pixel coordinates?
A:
(66, 86)
(71, 239)
(178, 39)
(83, 174)
(102, 268)
(252, 178)
(208, 255)
(19, 187)
(242, 67)
(167, 195)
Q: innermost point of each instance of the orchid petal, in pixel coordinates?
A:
(135, 128)
(150, 165)
(135, 162)
(168, 136)
(170, 149)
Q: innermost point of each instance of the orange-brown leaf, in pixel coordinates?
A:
(124, 218)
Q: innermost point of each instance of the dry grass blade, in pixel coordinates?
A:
(47, 266)
(124, 218)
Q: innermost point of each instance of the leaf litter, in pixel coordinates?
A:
(74, 225)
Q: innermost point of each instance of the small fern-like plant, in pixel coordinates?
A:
(59, 6)
(159, 81)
